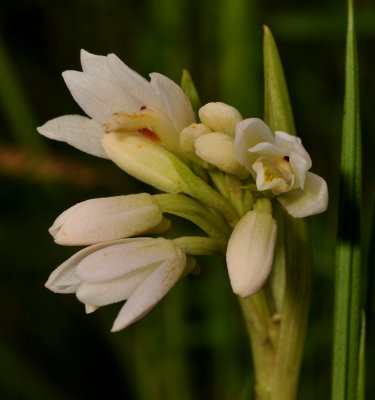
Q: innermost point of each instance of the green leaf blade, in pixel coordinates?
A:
(348, 253)
(362, 360)
(190, 90)
(277, 108)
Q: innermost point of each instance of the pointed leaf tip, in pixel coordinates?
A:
(190, 90)
(277, 109)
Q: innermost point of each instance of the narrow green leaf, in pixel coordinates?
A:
(348, 252)
(277, 108)
(362, 360)
(190, 90)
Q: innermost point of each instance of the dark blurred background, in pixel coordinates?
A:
(193, 345)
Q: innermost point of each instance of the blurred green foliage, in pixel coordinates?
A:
(193, 345)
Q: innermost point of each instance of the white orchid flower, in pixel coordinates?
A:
(104, 219)
(117, 99)
(279, 163)
(141, 271)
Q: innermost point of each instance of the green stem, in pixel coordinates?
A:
(186, 207)
(202, 191)
(232, 189)
(258, 322)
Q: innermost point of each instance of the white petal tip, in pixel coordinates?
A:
(119, 325)
(310, 201)
(40, 129)
(89, 308)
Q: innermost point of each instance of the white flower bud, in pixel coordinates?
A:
(250, 251)
(220, 117)
(218, 149)
(100, 220)
(145, 160)
(189, 135)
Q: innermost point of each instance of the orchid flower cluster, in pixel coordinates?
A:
(223, 173)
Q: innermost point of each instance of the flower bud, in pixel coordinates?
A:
(189, 135)
(218, 149)
(220, 117)
(100, 220)
(250, 251)
(145, 160)
(187, 139)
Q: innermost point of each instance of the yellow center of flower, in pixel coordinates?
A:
(269, 176)
(274, 174)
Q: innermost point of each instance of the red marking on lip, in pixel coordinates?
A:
(149, 134)
(286, 158)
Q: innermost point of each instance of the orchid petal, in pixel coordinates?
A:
(117, 260)
(300, 166)
(63, 279)
(89, 308)
(151, 291)
(104, 219)
(95, 65)
(313, 199)
(98, 97)
(266, 149)
(104, 293)
(293, 144)
(80, 132)
(132, 83)
(174, 101)
(250, 132)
